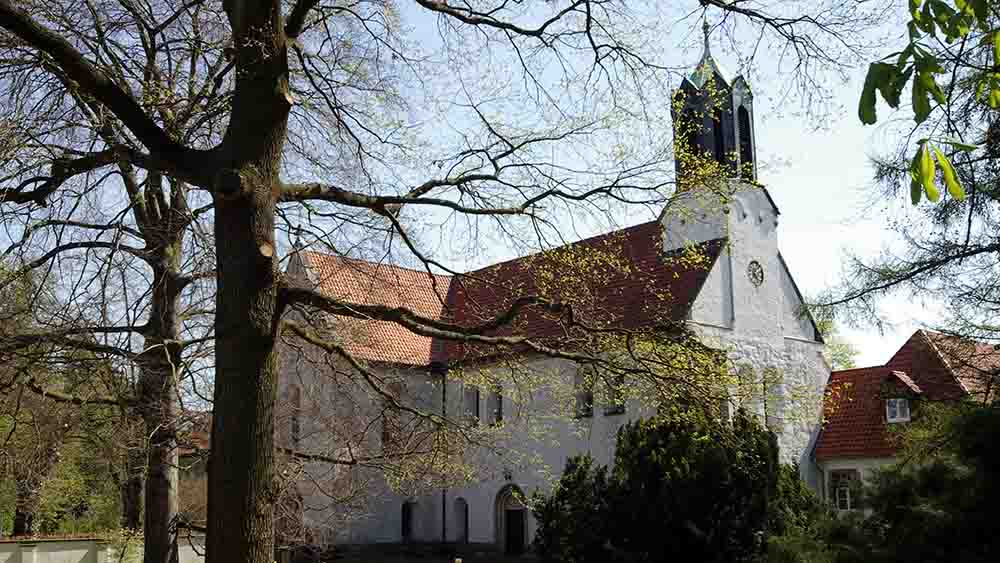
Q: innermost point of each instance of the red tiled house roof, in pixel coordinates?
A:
(930, 365)
(368, 283)
(976, 365)
(620, 279)
(854, 413)
(919, 358)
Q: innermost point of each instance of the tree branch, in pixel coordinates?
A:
(91, 80)
(62, 170)
(297, 17)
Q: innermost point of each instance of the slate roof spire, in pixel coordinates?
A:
(713, 118)
(707, 65)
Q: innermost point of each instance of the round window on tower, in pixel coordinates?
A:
(756, 273)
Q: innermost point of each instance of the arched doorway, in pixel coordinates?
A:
(511, 520)
(461, 520)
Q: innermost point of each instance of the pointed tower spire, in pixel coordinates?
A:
(707, 30)
(707, 66)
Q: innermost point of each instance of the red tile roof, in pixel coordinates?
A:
(620, 279)
(854, 415)
(929, 365)
(976, 365)
(369, 283)
(919, 358)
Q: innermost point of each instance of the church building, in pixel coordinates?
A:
(740, 298)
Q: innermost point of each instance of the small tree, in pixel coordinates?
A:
(682, 484)
(572, 523)
(944, 508)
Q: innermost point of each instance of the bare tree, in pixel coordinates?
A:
(307, 109)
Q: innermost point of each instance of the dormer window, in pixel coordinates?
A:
(897, 410)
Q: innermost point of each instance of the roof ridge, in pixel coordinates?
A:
(591, 238)
(947, 364)
(386, 264)
(860, 369)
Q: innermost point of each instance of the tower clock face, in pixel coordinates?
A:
(756, 273)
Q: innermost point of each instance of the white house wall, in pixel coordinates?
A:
(794, 323)
(714, 305)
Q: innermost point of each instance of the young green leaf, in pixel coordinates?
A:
(916, 186)
(927, 169)
(965, 147)
(994, 99)
(931, 86)
(921, 105)
(886, 79)
(950, 178)
(996, 48)
(866, 107)
(916, 191)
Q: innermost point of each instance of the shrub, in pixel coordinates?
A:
(572, 525)
(681, 487)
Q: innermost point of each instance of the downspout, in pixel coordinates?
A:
(444, 491)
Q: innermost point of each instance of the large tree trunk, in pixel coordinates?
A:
(241, 486)
(241, 489)
(159, 363)
(160, 539)
(131, 488)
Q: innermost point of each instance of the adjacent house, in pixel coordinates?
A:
(865, 407)
(739, 297)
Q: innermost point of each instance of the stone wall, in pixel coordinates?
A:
(85, 551)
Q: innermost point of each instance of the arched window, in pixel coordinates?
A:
(690, 127)
(462, 520)
(746, 144)
(719, 144)
(407, 520)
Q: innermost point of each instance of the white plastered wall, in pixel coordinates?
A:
(761, 326)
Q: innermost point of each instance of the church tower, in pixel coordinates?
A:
(713, 120)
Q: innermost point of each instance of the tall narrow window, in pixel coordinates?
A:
(746, 145)
(719, 143)
(471, 403)
(494, 406)
(584, 394)
(407, 521)
(843, 484)
(616, 395)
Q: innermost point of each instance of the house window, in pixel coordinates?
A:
(494, 406)
(407, 521)
(718, 144)
(725, 410)
(897, 410)
(844, 482)
(692, 129)
(616, 396)
(746, 145)
(584, 393)
(470, 400)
